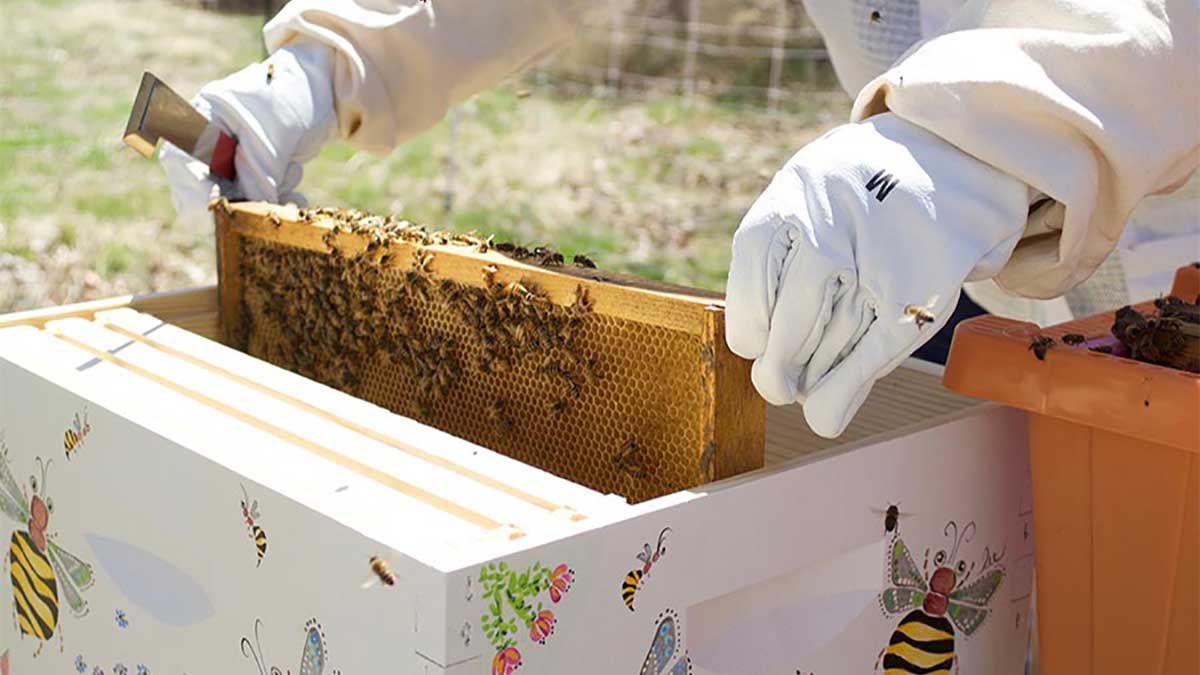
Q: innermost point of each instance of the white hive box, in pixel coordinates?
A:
(783, 570)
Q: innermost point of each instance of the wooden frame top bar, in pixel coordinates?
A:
(618, 295)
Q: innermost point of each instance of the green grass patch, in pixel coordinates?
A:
(115, 258)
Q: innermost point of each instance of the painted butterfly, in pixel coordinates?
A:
(664, 657)
(312, 660)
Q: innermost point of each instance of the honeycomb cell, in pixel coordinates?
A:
(613, 404)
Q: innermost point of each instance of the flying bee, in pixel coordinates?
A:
(891, 517)
(629, 461)
(923, 642)
(257, 534)
(40, 568)
(76, 433)
(1039, 345)
(920, 315)
(381, 572)
(636, 578)
(583, 261)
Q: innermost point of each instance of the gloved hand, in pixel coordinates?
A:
(855, 255)
(280, 111)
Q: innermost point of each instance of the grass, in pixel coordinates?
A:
(655, 187)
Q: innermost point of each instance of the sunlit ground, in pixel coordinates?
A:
(655, 188)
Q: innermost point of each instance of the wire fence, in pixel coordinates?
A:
(758, 54)
(751, 54)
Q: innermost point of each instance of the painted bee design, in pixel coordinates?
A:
(923, 642)
(74, 435)
(38, 567)
(636, 577)
(257, 534)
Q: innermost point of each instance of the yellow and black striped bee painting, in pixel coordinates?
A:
(952, 597)
(649, 557)
(38, 568)
(257, 534)
(75, 434)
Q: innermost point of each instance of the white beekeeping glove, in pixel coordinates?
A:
(280, 111)
(855, 255)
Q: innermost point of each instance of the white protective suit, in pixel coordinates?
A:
(1011, 144)
(1080, 99)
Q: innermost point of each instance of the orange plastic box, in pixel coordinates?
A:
(1115, 458)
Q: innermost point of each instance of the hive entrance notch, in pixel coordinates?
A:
(616, 383)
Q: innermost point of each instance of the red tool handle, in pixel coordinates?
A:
(222, 157)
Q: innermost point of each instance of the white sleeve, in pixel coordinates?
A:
(1094, 103)
(399, 66)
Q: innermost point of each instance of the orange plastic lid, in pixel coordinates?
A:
(990, 358)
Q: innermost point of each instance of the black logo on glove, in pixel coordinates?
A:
(884, 181)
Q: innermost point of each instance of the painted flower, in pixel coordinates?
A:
(122, 620)
(97, 671)
(80, 664)
(506, 661)
(542, 626)
(120, 669)
(560, 582)
(142, 670)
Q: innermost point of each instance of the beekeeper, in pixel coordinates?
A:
(1005, 139)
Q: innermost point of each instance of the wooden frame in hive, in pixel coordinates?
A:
(616, 383)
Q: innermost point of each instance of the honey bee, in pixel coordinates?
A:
(558, 406)
(589, 371)
(422, 261)
(417, 285)
(518, 290)
(273, 217)
(551, 259)
(583, 301)
(489, 275)
(583, 261)
(920, 315)
(499, 414)
(1073, 339)
(1039, 345)
(629, 460)
(330, 241)
(381, 572)
(221, 205)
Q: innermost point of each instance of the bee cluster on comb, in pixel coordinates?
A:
(559, 365)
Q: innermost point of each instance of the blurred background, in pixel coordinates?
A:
(640, 146)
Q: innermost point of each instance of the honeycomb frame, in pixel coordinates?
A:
(632, 389)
